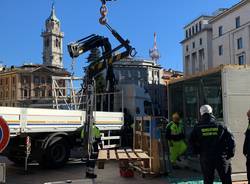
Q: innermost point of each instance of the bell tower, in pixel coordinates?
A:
(52, 41)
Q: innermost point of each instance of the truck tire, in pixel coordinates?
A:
(56, 154)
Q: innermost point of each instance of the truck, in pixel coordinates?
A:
(227, 89)
(53, 133)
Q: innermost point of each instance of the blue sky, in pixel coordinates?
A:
(21, 23)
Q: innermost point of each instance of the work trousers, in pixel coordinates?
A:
(248, 169)
(223, 167)
(92, 159)
(176, 149)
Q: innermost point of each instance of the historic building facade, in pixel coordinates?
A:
(30, 85)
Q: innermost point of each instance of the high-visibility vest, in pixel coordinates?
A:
(176, 129)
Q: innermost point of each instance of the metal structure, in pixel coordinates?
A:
(67, 92)
(154, 52)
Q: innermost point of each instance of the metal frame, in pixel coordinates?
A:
(66, 92)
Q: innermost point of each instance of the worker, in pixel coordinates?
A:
(215, 144)
(246, 147)
(94, 151)
(176, 139)
(127, 130)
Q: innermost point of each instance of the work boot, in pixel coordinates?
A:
(91, 175)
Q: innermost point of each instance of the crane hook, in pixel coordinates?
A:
(103, 11)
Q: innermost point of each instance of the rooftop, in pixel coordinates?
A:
(229, 10)
(200, 17)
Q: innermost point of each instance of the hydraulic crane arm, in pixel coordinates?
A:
(86, 44)
(108, 55)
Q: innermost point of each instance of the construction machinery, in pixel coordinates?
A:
(49, 135)
(109, 56)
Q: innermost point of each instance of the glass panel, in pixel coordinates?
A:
(191, 104)
(213, 94)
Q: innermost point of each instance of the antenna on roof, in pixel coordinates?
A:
(154, 52)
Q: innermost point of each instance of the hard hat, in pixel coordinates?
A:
(206, 109)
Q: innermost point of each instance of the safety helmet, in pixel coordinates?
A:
(206, 109)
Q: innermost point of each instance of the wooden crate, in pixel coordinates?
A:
(147, 138)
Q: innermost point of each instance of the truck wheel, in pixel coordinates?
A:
(57, 153)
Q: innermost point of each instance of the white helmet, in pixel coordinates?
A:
(206, 109)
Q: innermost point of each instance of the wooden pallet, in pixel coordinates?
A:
(123, 156)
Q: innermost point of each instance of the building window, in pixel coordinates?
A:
(239, 43)
(186, 48)
(49, 80)
(187, 64)
(196, 28)
(36, 79)
(237, 22)
(7, 81)
(192, 30)
(25, 93)
(200, 41)
(189, 30)
(42, 80)
(14, 80)
(193, 45)
(43, 92)
(200, 25)
(220, 50)
(57, 43)
(186, 33)
(36, 93)
(220, 30)
(49, 93)
(241, 60)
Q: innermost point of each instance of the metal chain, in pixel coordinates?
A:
(103, 11)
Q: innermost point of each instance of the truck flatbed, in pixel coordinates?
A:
(34, 120)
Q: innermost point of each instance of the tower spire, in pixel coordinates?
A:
(53, 13)
(154, 52)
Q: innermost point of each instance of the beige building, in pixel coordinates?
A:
(197, 46)
(28, 86)
(31, 84)
(222, 38)
(231, 35)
